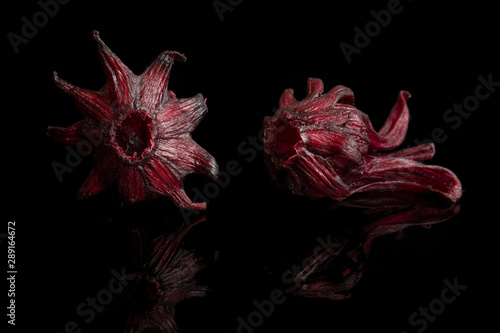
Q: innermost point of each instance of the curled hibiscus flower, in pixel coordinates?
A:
(324, 147)
(142, 130)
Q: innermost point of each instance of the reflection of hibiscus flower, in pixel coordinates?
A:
(332, 273)
(166, 279)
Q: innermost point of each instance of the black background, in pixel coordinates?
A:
(66, 248)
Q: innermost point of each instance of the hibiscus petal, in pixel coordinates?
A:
(188, 156)
(103, 173)
(166, 182)
(71, 135)
(327, 102)
(417, 153)
(92, 104)
(333, 142)
(399, 174)
(394, 130)
(313, 176)
(131, 183)
(181, 116)
(314, 88)
(341, 95)
(287, 98)
(154, 81)
(118, 76)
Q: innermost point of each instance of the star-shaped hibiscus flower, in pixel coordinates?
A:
(143, 131)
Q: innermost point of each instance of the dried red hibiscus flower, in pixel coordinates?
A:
(324, 147)
(143, 130)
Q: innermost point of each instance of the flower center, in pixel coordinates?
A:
(134, 135)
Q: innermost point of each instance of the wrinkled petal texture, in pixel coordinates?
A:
(139, 130)
(324, 147)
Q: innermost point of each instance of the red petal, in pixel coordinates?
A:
(287, 98)
(315, 177)
(399, 174)
(164, 181)
(314, 88)
(418, 153)
(328, 117)
(102, 175)
(118, 76)
(131, 183)
(327, 102)
(188, 156)
(340, 95)
(89, 102)
(394, 130)
(336, 143)
(180, 116)
(154, 81)
(71, 135)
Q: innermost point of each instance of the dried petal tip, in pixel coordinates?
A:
(392, 134)
(323, 146)
(141, 132)
(70, 136)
